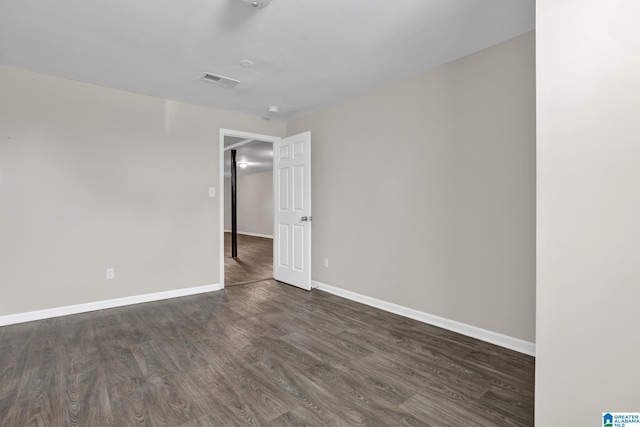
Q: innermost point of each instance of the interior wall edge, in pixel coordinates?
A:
(49, 313)
(485, 335)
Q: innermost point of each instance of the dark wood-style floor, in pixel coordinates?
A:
(264, 354)
(254, 261)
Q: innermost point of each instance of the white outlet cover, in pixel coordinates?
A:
(212, 191)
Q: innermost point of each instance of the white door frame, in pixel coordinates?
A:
(236, 134)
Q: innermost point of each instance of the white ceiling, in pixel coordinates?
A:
(308, 54)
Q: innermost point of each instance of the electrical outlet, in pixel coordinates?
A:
(212, 191)
(326, 263)
(110, 273)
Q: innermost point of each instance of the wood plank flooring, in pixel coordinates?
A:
(254, 261)
(263, 354)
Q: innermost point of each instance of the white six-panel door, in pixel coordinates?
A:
(292, 199)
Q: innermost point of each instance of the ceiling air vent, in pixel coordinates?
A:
(221, 80)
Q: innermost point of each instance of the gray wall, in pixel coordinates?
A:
(91, 178)
(588, 210)
(424, 191)
(254, 202)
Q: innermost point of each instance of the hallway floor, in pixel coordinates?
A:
(254, 261)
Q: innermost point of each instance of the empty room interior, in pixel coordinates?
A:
(435, 212)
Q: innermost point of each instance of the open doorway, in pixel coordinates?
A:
(254, 207)
(291, 203)
(254, 212)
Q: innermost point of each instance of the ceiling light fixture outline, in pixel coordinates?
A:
(256, 4)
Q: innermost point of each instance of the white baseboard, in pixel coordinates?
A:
(506, 341)
(12, 319)
(246, 233)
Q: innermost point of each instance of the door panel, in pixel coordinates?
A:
(292, 242)
(283, 190)
(298, 247)
(298, 189)
(283, 253)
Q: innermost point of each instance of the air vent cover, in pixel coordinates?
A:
(221, 80)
